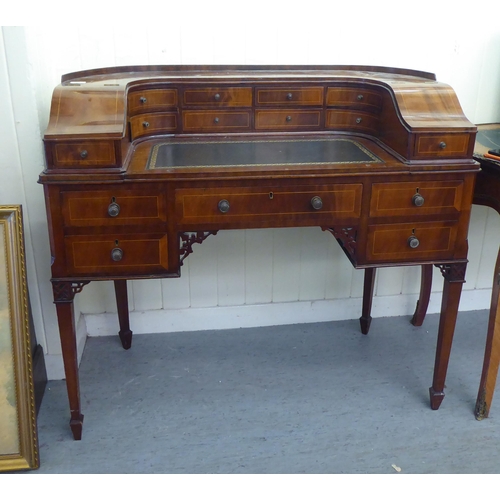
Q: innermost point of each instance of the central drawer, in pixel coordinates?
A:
(218, 96)
(199, 206)
(216, 121)
(287, 119)
(303, 96)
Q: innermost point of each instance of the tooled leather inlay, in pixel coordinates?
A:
(258, 153)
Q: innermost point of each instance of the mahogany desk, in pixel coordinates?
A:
(145, 162)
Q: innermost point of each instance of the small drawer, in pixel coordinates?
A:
(304, 204)
(216, 121)
(411, 242)
(149, 100)
(287, 119)
(112, 207)
(84, 154)
(218, 96)
(152, 124)
(351, 120)
(449, 145)
(303, 96)
(89, 255)
(353, 98)
(416, 198)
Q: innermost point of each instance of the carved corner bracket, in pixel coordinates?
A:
(454, 272)
(188, 239)
(65, 291)
(346, 236)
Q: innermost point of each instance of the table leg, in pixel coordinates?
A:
(492, 351)
(369, 282)
(64, 293)
(123, 317)
(425, 295)
(454, 275)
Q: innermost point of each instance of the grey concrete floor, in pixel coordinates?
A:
(302, 399)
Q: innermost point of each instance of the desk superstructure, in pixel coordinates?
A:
(145, 162)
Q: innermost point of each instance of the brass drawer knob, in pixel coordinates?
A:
(117, 254)
(223, 206)
(113, 209)
(288, 118)
(217, 97)
(418, 200)
(413, 242)
(316, 203)
(289, 96)
(442, 145)
(143, 100)
(84, 154)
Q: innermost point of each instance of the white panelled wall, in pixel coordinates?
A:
(252, 277)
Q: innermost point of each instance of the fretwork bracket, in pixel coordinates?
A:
(188, 239)
(346, 236)
(453, 273)
(65, 291)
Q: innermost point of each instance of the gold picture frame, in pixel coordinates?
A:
(18, 431)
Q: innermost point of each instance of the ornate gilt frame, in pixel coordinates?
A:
(18, 442)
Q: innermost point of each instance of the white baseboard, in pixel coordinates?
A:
(247, 316)
(220, 318)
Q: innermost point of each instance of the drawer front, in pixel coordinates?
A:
(216, 121)
(352, 97)
(152, 124)
(304, 96)
(416, 198)
(219, 96)
(427, 145)
(351, 120)
(408, 242)
(113, 254)
(287, 119)
(84, 154)
(223, 205)
(112, 207)
(148, 100)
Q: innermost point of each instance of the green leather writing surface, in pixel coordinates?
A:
(247, 153)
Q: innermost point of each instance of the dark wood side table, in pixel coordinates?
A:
(486, 193)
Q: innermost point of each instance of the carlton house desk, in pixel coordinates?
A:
(143, 163)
